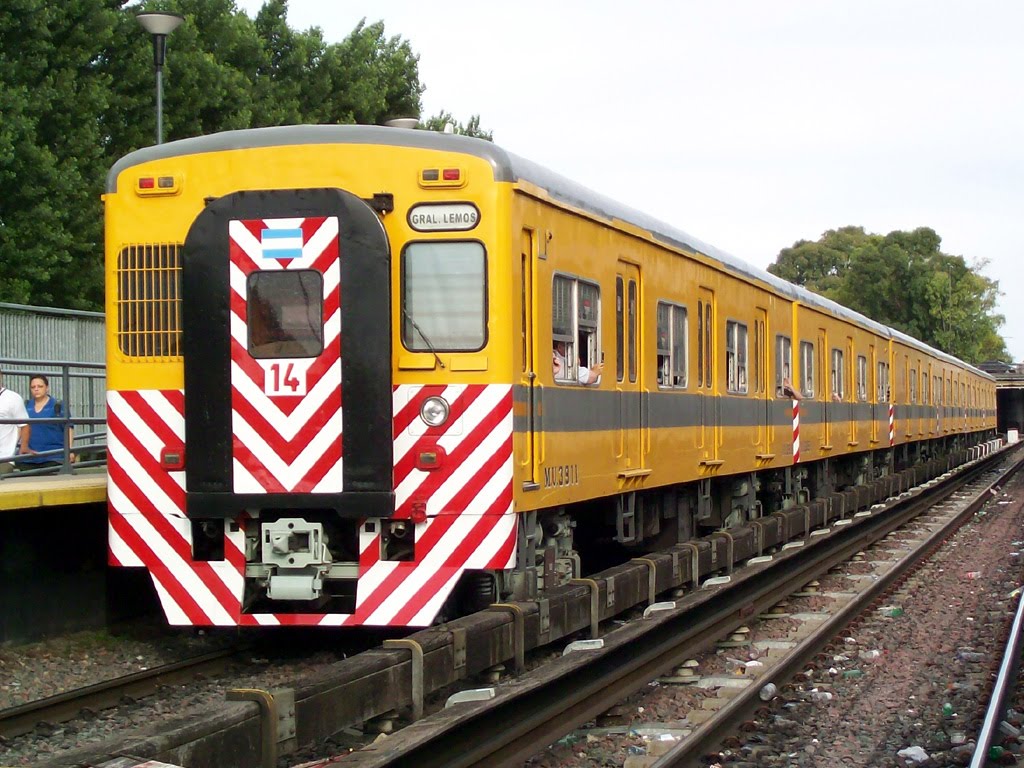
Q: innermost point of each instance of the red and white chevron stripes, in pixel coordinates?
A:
(468, 500)
(147, 523)
(286, 439)
(892, 425)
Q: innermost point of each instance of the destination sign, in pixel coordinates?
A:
(444, 217)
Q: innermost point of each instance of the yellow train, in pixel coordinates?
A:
(358, 373)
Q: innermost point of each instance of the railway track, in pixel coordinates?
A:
(509, 728)
(66, 706)
(942, 524)
(403, 674)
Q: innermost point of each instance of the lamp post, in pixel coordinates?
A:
(159, 25)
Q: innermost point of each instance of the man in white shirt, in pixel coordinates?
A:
(11, 407)
(584, 375)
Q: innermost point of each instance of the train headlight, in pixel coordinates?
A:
(434, 411)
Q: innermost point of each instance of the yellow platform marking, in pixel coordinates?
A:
(52, 491)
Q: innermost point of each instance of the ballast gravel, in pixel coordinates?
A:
(905, 685)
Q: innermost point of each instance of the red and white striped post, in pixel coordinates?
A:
(796, 431)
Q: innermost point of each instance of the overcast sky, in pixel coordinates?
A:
(748, 124)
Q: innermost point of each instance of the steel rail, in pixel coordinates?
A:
(1004, 685)
(62, 707)
(531, 713)
(690, 752)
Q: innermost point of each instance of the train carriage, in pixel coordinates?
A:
(353, 379)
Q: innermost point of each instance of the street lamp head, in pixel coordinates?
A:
(160, 23)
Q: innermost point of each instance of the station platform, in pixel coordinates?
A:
(53, 490)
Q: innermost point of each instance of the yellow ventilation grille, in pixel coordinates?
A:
(149, 300)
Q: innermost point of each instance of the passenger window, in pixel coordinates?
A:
(444, 297)
(671, 346)
(707, 344)
(575, 322)
(807, 368)
(913, 385)
(882, 394)
(631, 309)
(700, 343)
(736, 357)
(783, 365)
(620, 330)
(862, 378)
(285, 312)
(837, 375)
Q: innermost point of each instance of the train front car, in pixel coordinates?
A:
(271, 460)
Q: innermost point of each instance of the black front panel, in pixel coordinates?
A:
(365, 351)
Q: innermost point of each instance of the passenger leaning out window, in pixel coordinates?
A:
(561, 366)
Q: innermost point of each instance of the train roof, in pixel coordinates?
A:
(510, 167)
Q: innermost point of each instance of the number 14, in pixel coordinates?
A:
(285, 378)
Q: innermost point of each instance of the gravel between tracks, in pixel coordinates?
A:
(919, 678)
(42, 669)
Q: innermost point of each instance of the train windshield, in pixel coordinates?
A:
(444, 293)
(285, 313)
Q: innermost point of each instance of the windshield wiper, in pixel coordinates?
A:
(419, 330)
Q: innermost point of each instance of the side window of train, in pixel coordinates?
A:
(862, 378)
(924, 387)
(700, 343)
(672, 362)
(575, 320)
(631, 308)
(285, 313)
(620, 329)
(707, 344)
(913, 385)
(883, 383)
(783, 364)
(807, 368)
(837, 375)
(736, 357)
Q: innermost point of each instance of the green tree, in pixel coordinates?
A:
(820, 265)
(442, 121)
(76, 93)
(903, 279)
(52, 150)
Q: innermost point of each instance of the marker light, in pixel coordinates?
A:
(434, 411)
(442, 178)
(146, 186)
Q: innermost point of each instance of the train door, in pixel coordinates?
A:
(707, 430)
(287, 317)
(764, 394)
(824, 390)
(531, 456)
(627, 367)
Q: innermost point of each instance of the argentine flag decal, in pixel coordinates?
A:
(281, 243)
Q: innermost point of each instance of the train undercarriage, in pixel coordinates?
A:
(564, 543)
